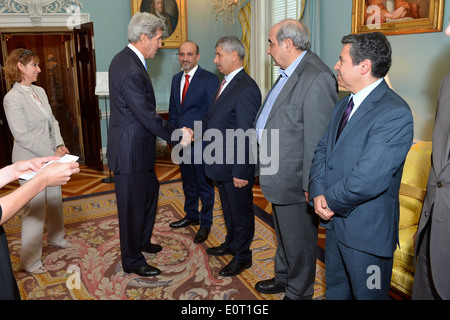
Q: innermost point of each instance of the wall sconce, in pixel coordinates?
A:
(226, 7)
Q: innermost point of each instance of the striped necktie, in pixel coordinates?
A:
(345, 117)
(220, 89)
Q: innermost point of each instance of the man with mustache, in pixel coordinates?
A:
(234, 108)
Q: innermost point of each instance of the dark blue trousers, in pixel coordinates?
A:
(137, 200)
(196, 186)
(239, 216)
(353, 274)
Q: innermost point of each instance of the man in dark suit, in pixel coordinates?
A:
(229, 164)
(357, 169)
(433, 232)
(133, 127)
(292, 120)
(191, 96)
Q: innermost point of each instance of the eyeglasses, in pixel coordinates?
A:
(25, 53)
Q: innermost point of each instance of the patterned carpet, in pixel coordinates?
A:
(91, 268)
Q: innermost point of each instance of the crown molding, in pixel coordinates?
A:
(23, 20)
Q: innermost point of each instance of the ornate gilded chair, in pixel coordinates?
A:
(412, 192)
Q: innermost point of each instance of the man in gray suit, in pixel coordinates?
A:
(433, 233)
(289, 124)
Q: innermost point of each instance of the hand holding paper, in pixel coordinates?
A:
(66, 159)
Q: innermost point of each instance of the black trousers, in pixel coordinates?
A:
(8, 284)
(137, 200)
(196, 186)
(237, 207)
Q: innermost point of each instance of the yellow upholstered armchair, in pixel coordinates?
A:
(412, 192)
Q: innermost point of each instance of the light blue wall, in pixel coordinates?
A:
(111, 18)
(419, 61)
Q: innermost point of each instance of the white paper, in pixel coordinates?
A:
(66, 159)
(102, 85)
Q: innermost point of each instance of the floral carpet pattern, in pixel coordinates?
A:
(91, 269)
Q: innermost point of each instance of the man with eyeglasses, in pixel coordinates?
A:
(431, 279)
(191, 96)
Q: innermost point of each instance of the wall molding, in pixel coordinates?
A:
(23, 20)
(41, 13)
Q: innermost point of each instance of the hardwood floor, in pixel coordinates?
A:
(90, 181)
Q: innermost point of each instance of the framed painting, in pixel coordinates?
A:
(174, 15)
(397, 16)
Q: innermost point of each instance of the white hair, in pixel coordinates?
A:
(143, 23)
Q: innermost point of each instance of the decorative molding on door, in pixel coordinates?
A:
(41, 13)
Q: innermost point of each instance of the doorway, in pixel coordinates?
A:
(57, 77)
(67, 62)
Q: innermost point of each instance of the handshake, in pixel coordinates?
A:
(188, 136)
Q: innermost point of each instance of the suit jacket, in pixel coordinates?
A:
(235, 109)
(437, 200)
(197, 101)
(28, 124)
(300, 114)
(134, 122)
(360, 174)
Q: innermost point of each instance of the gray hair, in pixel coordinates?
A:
(296, 31)
(143, 23)
(230, 44)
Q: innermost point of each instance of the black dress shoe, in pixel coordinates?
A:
(202, 235)
(152, 248)
(269, 286)
(145, 271)
(218, 251)
(184, 223)
(234, 268)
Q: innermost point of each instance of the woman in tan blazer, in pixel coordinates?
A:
(36, 134)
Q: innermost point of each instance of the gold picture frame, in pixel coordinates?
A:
(393, 17)
(175, 14)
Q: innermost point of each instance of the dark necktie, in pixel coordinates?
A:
(220, 89)
(345, 117)
(185, 88)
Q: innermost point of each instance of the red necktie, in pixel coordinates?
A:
(185, 88)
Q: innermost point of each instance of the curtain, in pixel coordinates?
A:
(311, 18)
(245, 13)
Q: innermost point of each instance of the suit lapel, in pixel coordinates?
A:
(136, 60)
(441, 155)
(359, 114)
(227, 89)
(192, 83)
(29, 99)
(177, 88)
(290, 84)
(365, 107)
(267, 96)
